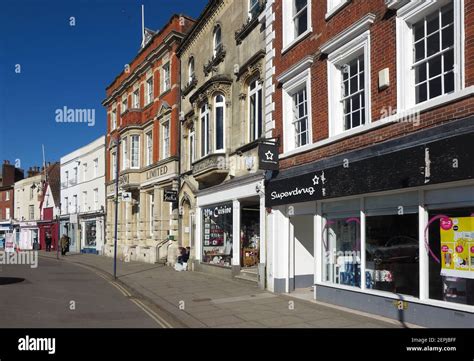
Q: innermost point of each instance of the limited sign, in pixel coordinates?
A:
(268, 156)
(170, 196)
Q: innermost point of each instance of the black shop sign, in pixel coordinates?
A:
(170, 196)
(268, 156)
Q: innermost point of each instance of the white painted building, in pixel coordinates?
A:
(83, 197)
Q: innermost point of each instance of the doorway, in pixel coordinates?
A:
(301, 260)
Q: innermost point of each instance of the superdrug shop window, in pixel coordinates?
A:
(217, 235)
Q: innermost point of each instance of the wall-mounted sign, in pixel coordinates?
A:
(170, 196)
(126, 196)
(157, 172)
(268, 156)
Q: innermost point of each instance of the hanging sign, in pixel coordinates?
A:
(170, 196)
(457, 247)
(268, 156)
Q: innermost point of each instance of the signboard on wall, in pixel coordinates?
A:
(457, 247)
(268, 156)
(170, 196)
(217, 225)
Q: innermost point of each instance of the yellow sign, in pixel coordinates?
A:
(457, 247)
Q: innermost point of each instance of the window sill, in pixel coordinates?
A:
(294, 42)
(398, 117)
(336, 9)
(396, 296)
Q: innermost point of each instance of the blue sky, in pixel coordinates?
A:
(63, 65)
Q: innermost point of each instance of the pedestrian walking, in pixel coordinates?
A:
(64, 244)
(48, 241)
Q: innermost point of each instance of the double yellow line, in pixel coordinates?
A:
(156, 317)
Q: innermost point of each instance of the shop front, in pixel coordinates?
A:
(69, 227)
(392, 233)
(27, 236)
(92, 234)
(230, 222)
(5, 227)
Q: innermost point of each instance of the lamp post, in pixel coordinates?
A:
(58, 222)
(116, 142)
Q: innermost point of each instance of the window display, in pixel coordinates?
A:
(90, 227)
(392, 253)
(341, 245)
(451, 255)
(249, 236)
(217, 235)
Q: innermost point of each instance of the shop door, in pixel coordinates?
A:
(301, 252)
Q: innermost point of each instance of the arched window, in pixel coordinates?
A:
(191, 70)
(219, 105)
(255, 109)
(217, 39)
(204, 130)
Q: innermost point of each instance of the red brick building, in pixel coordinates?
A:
(373, 105)
(143, 112)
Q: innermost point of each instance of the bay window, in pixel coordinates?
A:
(204, 130)
(135, 151)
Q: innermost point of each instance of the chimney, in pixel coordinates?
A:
(6, 161)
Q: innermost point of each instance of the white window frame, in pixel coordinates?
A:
(151, 218)
(251, 7)
(136, 98)
(288, 28)
(114, 164)
(67, 178)
(206, 116)
(258, 93)
(84, 172)
(96, 167)
(135, 142)
(96, 199)
(149, 147)
(338, 57)
(31, 212)
(295, 84)
(333, 6)
(125, 154)
(406, 17)
(74, 197)
(66, 201)
(191, 69)
(166, 76)
(7, 195)
(149, 90)
(84, 201)
(215, 45)
(165, 141)
(124, 104)
(192, 148)
(7, 213)
(113, 116)
(216, 105)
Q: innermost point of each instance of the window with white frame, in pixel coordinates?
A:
(253, 8)
(136, 99)
(335, 5)
(151, 212)
(66, 201)
(31, 211)
(192, 148)
(217, 39)
(123, 108)
(7, 195)
(84, 172)
(67, 178)
(255, 109)
(75, 175)
(296, 20)
(114, 165)
(165, 139)
(96, 167)
(114, 119)
(191, 70)
(84, 201)
(135, 151)
(166, 76)
(204, 130)
(297, 111)
(430, 51)
(349, 85)
(125, 159)
(96, 199)
(74, 203)
(149, 148)
(219, 122)
(149, 90)
(7, 213)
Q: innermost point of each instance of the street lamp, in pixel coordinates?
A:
(116, 142)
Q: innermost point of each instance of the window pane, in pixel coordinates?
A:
(448, 36)
(421, 93)
(435, 66)
(419, 30)
(341, 246)
(392, 253)
(300, 4)
(449, 82)
(435, 87)
(301, 22)
(432, 44)
(432, 23)
(447, 15)
(420, 50)
(219, 128)
(356, 119)
(252, 119)
(420, 73)
(444, 242)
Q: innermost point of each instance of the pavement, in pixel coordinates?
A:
(200, 300)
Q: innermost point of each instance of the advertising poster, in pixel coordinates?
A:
(9, 244)
(457, 247)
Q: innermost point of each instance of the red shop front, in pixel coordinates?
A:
(48, 225)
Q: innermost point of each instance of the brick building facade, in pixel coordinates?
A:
(373, 107)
